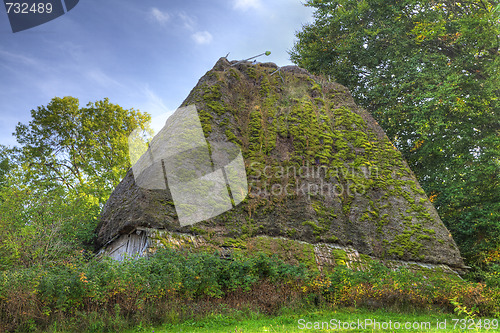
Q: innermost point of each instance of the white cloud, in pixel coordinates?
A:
(159, 16)
(154, 103)
(178, 18)
(187, 21)
(202, 37)
(102, 79)
(18, 58)
(246, 4)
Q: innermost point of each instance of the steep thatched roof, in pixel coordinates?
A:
(319, 169)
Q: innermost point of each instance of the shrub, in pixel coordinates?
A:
(107, 295)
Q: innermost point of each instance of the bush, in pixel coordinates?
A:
(43, 295)
(39, 228)
(107, 295)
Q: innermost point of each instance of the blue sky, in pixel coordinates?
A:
(145, 54)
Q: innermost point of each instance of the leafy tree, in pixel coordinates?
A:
(52, 187)
(428, 71)
(5, 165)
(42, 227)
(83, 148)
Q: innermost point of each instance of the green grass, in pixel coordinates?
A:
(288, 321)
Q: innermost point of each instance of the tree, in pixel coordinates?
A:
(428, 71)
(84, 149)
(5, 165)
(52, 187)
(40, 227)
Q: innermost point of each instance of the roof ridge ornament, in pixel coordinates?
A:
(267, 53)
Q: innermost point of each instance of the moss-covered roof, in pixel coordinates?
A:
(319, 169)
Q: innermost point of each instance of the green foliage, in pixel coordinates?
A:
(403, 288)
(52, 187)
(428, 72)
(44, 227)
(463, 310)
(172, 285)
(132, 288)
(83, 148)
(5, 165)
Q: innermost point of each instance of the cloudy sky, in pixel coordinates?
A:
(143, 54)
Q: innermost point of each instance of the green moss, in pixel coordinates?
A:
(234, 73)
(317, 230)
(406, 243)
(212, 97)
(255, 133)
(286, 249)
(429, 231)
(296, 122)
(269, 123)
(232, 242)
(251, 72)
(265, 87)
(199, 231)
(206, 122)
(332, 239)
(340, 256)
(212, 93)
(365, 258)
(165, 243)
(315, 89)
(424, 237)
(231, 137)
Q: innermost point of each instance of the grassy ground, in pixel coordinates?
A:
(300, 321)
